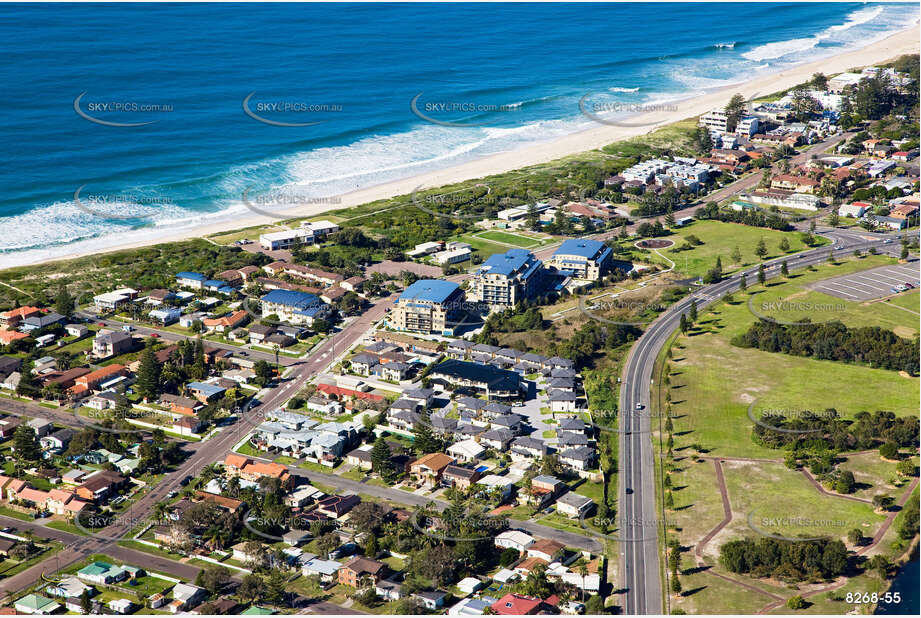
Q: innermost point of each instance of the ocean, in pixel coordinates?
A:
(128, 121)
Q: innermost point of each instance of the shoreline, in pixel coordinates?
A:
(888, 48)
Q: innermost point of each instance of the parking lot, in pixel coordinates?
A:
(870, 284)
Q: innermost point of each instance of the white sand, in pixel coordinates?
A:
(905, 42)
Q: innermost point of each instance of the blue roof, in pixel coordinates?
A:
(431, 290)
(188, 275)
(292, 298)
(507, 263)
(215, 283)
(582, 247)
(208, 389)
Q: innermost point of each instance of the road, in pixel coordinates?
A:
(641, 570)
(399, 496)
(171, 337)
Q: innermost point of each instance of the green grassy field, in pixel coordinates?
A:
(719, 240)
(510, 239)
(712, 385)
(713, 382)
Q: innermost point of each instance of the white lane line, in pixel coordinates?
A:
(834, 292)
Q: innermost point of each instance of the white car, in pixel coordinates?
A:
(639, 406)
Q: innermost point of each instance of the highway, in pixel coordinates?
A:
(641, 570)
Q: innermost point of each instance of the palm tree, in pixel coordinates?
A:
(583, 571)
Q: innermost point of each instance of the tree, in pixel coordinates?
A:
(595, 605)
(761, 276)
(784, 270)
(264, 373)
(845, 482)
(676, 585)
(380, 457)
(328, 542)
(213, 579)
(64, 302)
(670, 217)
(796, 602)
(889, 450)
(736, 255)
(819, 81)
(251, 589)
(784, 244)
(684, 323)
(734, 110)
(692, 312)
(761, 249)
(25, 444)
(148, 375)
(904, 254)
(834, 219)
(743, 285)
(855, 536)
(86, 605)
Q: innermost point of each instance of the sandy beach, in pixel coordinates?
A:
(904, 42)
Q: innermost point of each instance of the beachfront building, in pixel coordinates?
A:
(294, 307)
(507, 278)
(427, 306)
(285, 239)
(582, 258)
(114, 300)
(716, 121)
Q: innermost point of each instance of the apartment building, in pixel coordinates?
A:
(507, 278)
(427, 306)
(582, 258)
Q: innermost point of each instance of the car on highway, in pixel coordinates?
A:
(100, 323)
(909, 286)
(888, 241)
(186, 481)
(172, 494)
(154, 336)
(639, 406)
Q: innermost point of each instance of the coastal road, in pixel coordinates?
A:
(641, 570)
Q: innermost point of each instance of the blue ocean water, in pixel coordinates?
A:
(514, 73)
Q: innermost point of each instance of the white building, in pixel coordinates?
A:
(514, 539)
(111, 301)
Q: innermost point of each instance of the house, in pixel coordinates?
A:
(429, 468)
(205, 392)
(112, 343)
(326, 570)
(389, 589)
(99, 572)
(466, 450)
(191, 280)
(562, 401)
(226, 323)
(359, 570)
(188, 596)
(855, 209)
(497, 439)
(470, 606)
(103, 401)
(335, 507)
(41, 426)
(546, 549)
(188, 426)
(42, 320)
(114, 300)
(514, 539)
(525, 447)
(431, 599)
(120, 606)
(499, 486)
(36, 604)
(98, 486)
(516, 605)
(57, 441)
(181, 405)
(294, 307)
(457, 476)
(580, 458)
(574, 505)
(13, 317)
